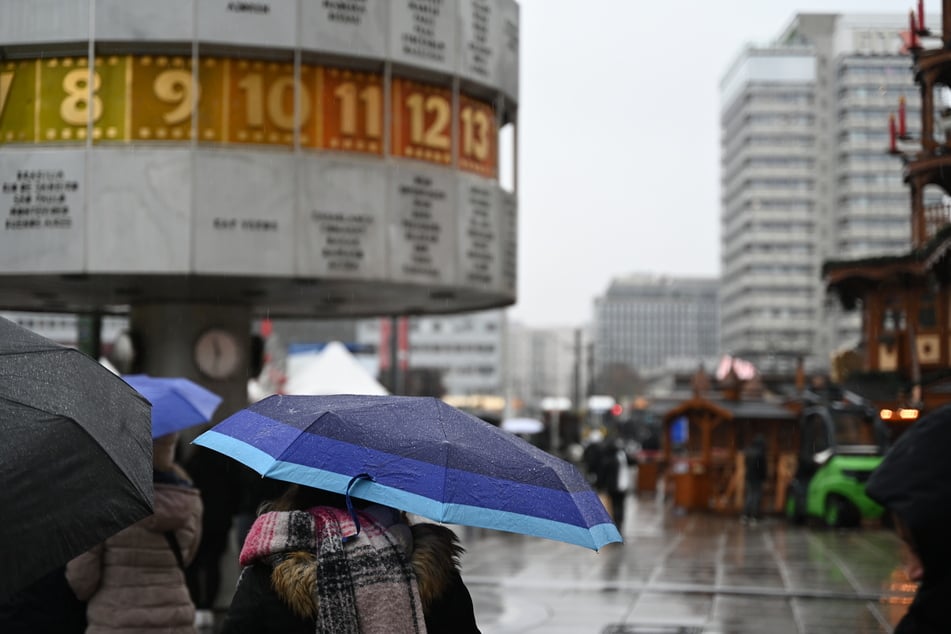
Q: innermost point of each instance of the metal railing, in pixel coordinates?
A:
(937, 216)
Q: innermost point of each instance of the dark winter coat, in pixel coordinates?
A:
(611, 460)
(217, 478)
(271, 598)
(755, 462)
(914, 483)
(47, 606)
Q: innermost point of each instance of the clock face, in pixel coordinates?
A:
(217, 353)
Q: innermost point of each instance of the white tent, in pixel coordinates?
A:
(333, 371)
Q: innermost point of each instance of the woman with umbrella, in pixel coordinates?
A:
(135, 580)
(417, 454)
(313, 562)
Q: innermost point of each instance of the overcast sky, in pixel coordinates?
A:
(619, 138)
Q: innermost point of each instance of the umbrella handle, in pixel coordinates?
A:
(350, 509)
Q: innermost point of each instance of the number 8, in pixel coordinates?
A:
(75, 107)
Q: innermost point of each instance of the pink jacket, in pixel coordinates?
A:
(133, 581)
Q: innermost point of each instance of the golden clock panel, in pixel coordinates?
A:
(18, 101)
(261, 102)
(162, 98)
(72, 95)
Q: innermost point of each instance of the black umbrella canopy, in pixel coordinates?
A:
(75, 456)
(914, 483)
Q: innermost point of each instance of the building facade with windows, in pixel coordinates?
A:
(642, 321)
(805, 177)
(466, 349)
(480, 354)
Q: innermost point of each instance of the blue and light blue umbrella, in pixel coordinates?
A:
(177, 403)
(419, 455)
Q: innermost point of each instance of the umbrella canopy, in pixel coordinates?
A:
(420, 455)
(76, 455)
(176, 403)
(522, 425)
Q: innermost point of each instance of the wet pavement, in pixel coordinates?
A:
(689, 574)
(681, 574)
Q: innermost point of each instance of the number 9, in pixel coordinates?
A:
(176, 86)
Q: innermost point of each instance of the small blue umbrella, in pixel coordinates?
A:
(177, 403)
(420, 455)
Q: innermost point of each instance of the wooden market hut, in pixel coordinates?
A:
(706, 473)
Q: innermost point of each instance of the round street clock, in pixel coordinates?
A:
(217, 353)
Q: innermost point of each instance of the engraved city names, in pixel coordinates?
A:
(423, 227)
(420, 229)
(343, 239)
(480, 235)
(38, 199)
(424, 32)
(345, 11)
(479, 39)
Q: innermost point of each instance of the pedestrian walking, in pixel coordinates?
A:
(135, 580)
(310, 564)
(755, 470)
(913, 483)
(614, 476)
(217, 479)
(591, 456)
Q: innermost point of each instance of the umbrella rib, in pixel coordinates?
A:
(280, 457)
(448, 446)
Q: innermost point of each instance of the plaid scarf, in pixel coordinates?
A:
(364, 583)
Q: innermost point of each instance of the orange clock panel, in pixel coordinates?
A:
(352, 110)
(478, 137)
(421, 121)
(261, 102)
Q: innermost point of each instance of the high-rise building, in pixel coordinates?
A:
(806, 177)
(546, 363)
(642, 321)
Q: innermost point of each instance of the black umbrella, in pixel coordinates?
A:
(75, 455)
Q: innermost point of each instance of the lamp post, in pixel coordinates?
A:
(556, 405)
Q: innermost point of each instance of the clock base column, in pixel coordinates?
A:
(165, 337)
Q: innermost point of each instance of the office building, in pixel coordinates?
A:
(642, 321)
(806, 177)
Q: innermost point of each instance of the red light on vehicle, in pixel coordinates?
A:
(616, 409)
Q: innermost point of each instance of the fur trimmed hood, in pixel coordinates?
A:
(434, 558)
